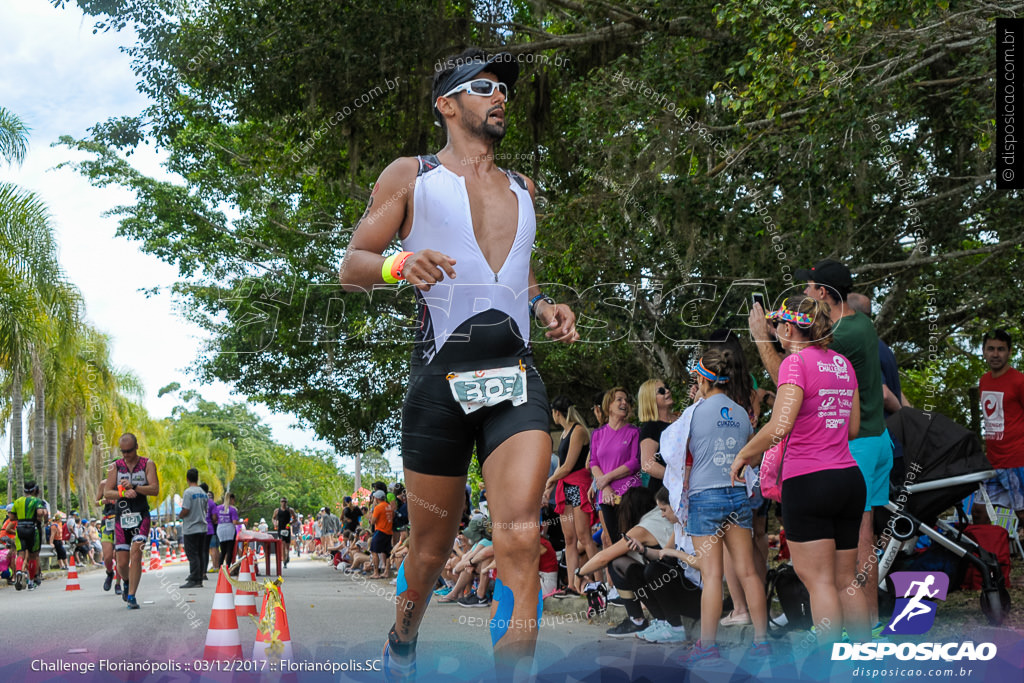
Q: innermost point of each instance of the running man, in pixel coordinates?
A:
(283, 518)
(107, 541)
(31, 512)
(472, 379)
(130, 480)
(914, 607)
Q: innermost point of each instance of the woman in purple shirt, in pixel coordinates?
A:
(614, 458)
(227, 517)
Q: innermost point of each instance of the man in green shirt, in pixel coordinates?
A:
(32, 514)
(854, 336)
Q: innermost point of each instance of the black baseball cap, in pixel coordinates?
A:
(830, 273)
(503, 65)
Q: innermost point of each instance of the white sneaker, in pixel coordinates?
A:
(613, 594)
(657, 625)
(664, 633)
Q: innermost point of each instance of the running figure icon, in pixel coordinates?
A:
(915, 607)
(915, 611)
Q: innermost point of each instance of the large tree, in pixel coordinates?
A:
(685, 154)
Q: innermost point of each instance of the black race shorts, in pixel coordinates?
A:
(438, 437)
(29, 537)
(824, 505)
(380, 543)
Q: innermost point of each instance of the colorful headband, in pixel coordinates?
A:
(702, 370)
(789, 315)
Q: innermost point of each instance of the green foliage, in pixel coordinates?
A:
(262, 470)
(797, 131)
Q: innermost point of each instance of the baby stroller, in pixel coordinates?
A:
(944, 464)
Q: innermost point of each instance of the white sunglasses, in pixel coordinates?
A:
(481, 86)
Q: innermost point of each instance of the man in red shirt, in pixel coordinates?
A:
(1002, 404)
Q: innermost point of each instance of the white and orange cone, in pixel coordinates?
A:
(168, 555)
(254, 564)
(72, 584)
(222, 639)
(154, 559)
(245, 601)
(182, 557)
(263, 640)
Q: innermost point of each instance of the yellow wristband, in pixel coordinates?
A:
(391, 269)
(385, 270)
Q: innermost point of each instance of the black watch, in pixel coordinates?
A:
(577, 572)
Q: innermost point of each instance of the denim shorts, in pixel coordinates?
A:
(714, 509)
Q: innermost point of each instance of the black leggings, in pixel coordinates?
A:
(611, 521)
(668, 594)
(660, 585)
(227, 553)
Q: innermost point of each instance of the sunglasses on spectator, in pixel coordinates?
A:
(664, 390)
(480, 86)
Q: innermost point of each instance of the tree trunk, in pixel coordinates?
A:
(17, 447)
(358, 483)
(38, 420)
(64, 456)
(52, 490)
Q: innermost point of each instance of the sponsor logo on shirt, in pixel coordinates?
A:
(838, 367)
(995, 418)
(727, 420)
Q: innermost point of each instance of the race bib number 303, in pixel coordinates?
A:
(475, 389)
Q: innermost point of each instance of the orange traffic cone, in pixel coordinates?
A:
(168, 555)
(222, 640)
(154, 559)
(72, 584)
(245, 601)
(182, 557)
(259, 648)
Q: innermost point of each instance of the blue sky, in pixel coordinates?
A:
(60, 78)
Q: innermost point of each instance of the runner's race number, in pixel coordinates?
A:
(476, 389)
(130, 520)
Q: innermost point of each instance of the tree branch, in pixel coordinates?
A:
(940, 258)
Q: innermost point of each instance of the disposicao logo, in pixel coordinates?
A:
(725, 413)
(914, 614)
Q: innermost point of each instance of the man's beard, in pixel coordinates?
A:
(480, 128)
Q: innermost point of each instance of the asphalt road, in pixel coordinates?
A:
(335, 621)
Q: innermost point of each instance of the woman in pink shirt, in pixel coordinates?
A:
(614, 458)
(816, 413)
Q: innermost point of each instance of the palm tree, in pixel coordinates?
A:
(28, 266)
(20, 318)
(13, 137)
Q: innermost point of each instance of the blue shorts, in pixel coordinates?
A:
(380, 543)
(714, 509)
(874, 458)
(1007, 489)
